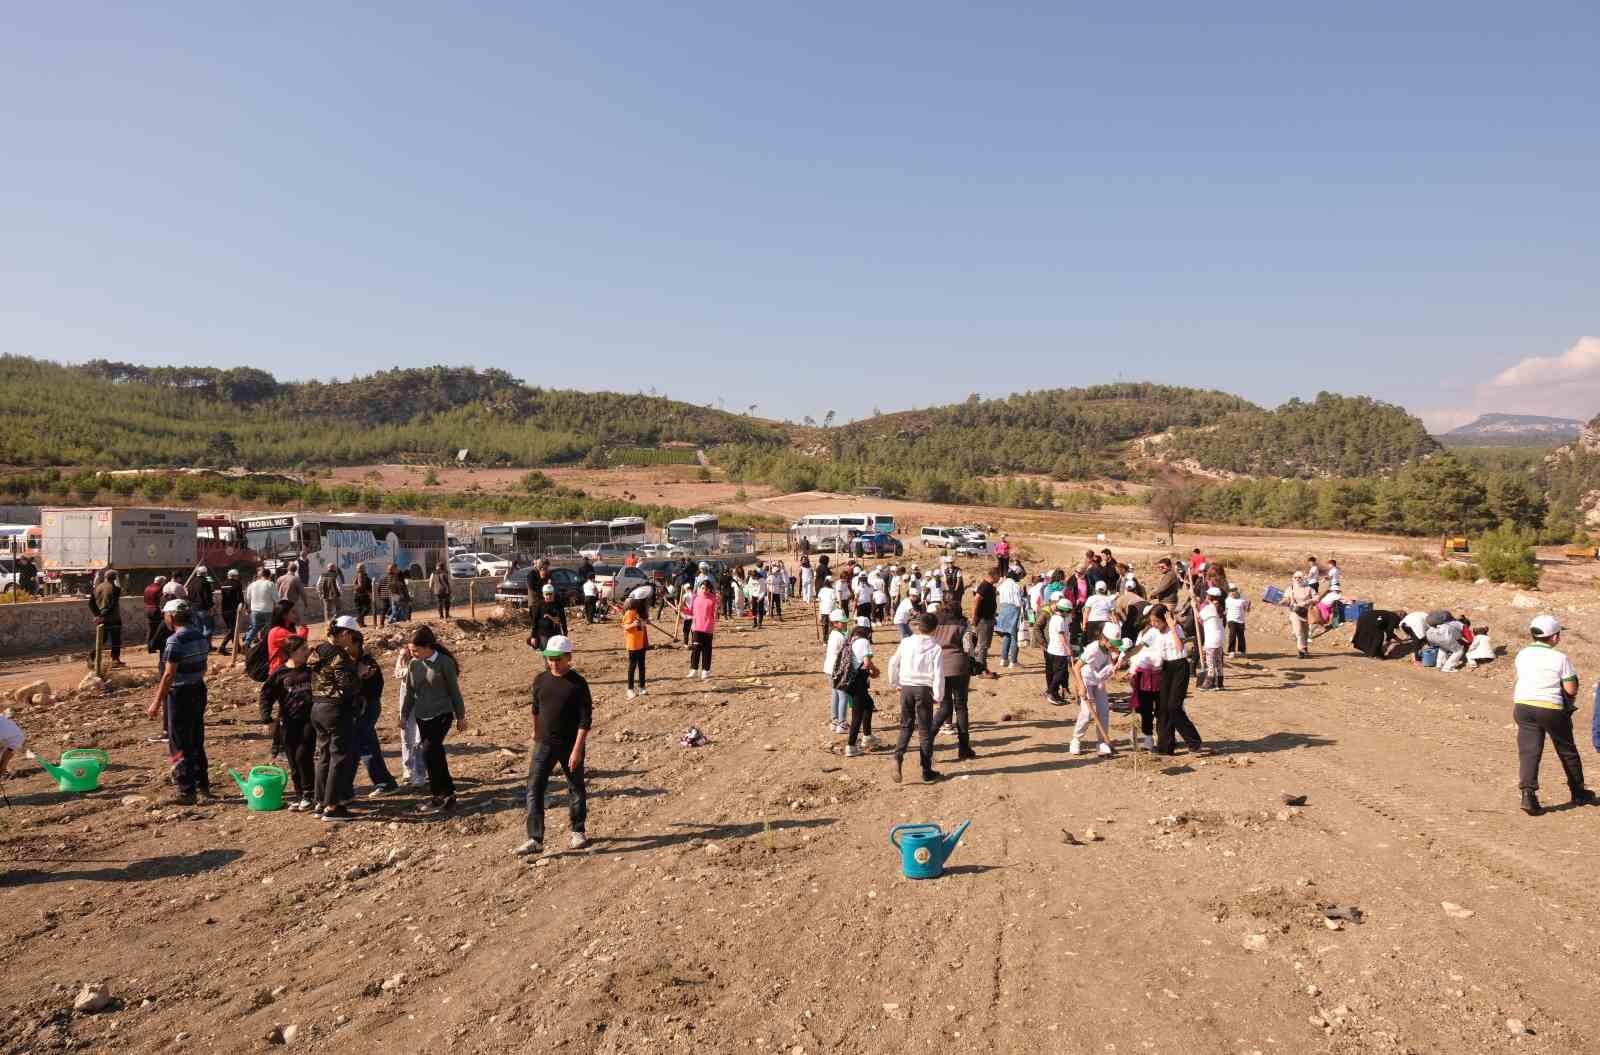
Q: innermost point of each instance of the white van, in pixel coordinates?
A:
(939, 537)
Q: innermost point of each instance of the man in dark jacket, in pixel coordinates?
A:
(231, 597)
(106, 605)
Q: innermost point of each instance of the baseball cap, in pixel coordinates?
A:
(233, 573)
(560, 645)
(1121, 644)
(346, 622)
(862, 620)
(1111, 631)
(1063, 604)
(1215, 591)
(202, 569)
(838, 616)
(1100, 586)
(549, 589)
(1545, 626)
(175, 605)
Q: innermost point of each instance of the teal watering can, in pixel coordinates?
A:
(264, 790)
(79, 769)
(924, 848)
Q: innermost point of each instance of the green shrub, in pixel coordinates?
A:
(1506, 555)
(1450, 572)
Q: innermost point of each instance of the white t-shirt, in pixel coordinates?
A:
(1211, 629)
(1056, 638)
(1167, 645)
(1540, 671)
(879, 597)
(1417, 623)
(805, 575)
(1236, 607)
(1098, 608)
(1097, 665)
(1008, 591)
(1149, 643)
(826, 600)
(591, 588)
(262, 595)
(860, 649)
(902, 614)
(863, 593)
(935, 595)
(835, 639)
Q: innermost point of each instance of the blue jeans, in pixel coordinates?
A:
(399, 611)
(841, 705)
(259, 622)
(368, 750)
(1009, 652)
(905, 630)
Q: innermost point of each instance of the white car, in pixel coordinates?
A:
(607, 551)
(659, 550)
(479, 566)
(619, 584)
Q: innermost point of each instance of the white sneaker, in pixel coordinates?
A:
(1105, 748)
(529, 848)
(1146, 743)
(852, 751)
(704, 675)
(642, 692)
(692, 673)
(631, 694)
(578, 841)
(869, 743)
(297, 805)
(1075, 748)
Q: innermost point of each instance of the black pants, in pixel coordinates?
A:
(111, 634)
(588, 608)
(776, 601)
(300, 751)
(230, 619)
(1145, 702)
(546, 756)
(700, 651)
(1533, 725)
(636, 662)
(335, 726)
(758, 609)
(727, 606)
(860, 715)
(152, 624)
(186, 729)
(916, 708)
(1172, 720)
(1236, 639)
(956, 689)
(1057, 675)
(443, 601)
(430, 736)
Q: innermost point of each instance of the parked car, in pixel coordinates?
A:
(973, 547)
(561, 553)
(661, 571)
(661, 549)
(513, 590)
(479, 566)
(876, 544)
(620, 581)
(610, 551)
(939, 537)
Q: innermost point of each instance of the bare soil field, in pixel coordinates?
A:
(673, 485)
(741, 896)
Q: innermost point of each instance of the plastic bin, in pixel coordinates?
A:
(1429, 656)
(1354, 610)
(1272, 596)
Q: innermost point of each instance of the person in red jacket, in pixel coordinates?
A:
(152, 607)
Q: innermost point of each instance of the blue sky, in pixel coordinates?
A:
(818, 206)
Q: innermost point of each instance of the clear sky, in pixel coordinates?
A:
(822, 205)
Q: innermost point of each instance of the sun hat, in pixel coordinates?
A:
(560, 645)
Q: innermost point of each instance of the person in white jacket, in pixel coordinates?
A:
(917, 670)
(1097, 664)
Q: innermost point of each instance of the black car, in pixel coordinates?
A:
(513, 589)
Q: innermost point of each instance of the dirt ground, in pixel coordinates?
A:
(672, 485)
(741, 896)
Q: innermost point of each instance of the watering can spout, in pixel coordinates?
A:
(955, 837)
(53, 770)
(237, 779)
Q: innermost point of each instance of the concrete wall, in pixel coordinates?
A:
(66, 625)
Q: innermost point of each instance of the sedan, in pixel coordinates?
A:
(479, 566)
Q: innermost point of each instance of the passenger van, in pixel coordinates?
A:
(940, 537)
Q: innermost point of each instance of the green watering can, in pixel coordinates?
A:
(79, 769)
(264, 790)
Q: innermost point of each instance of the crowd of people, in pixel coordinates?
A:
(1095, 623)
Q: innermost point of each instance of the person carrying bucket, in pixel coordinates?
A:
(183, 678)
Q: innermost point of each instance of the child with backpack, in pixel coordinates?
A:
(288, 689)
(838, 670)
(858, 660)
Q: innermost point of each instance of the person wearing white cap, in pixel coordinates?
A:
(832, 656)
(1098, 610)
(858, 688)
(563, 711)
(1544, 697)
(1096, 665)
(1235, 609)
(182, 692)
(909, 608)
(703, 610)
(1212, 637)
(1058, 652)
(827, 601)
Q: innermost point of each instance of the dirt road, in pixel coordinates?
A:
(742, 897)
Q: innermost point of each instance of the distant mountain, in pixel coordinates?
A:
(1520, 425)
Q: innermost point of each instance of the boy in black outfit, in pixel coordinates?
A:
(562, 711)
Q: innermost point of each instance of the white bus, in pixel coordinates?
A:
(346, 540)
(698, 532)
(832, 532)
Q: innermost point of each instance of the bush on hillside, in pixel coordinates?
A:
(1506, 555)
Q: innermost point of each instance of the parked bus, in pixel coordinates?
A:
(20, 540)
(833, 532)
(346, 540)
(697, 532)
(528, 540)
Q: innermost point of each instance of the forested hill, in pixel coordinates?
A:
(1347, 436)
(115, 414)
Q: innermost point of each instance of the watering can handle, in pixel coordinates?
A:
(898, 828)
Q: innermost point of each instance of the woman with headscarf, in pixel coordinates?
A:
(1299, 600)
(956, 640)
(1376, 630)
